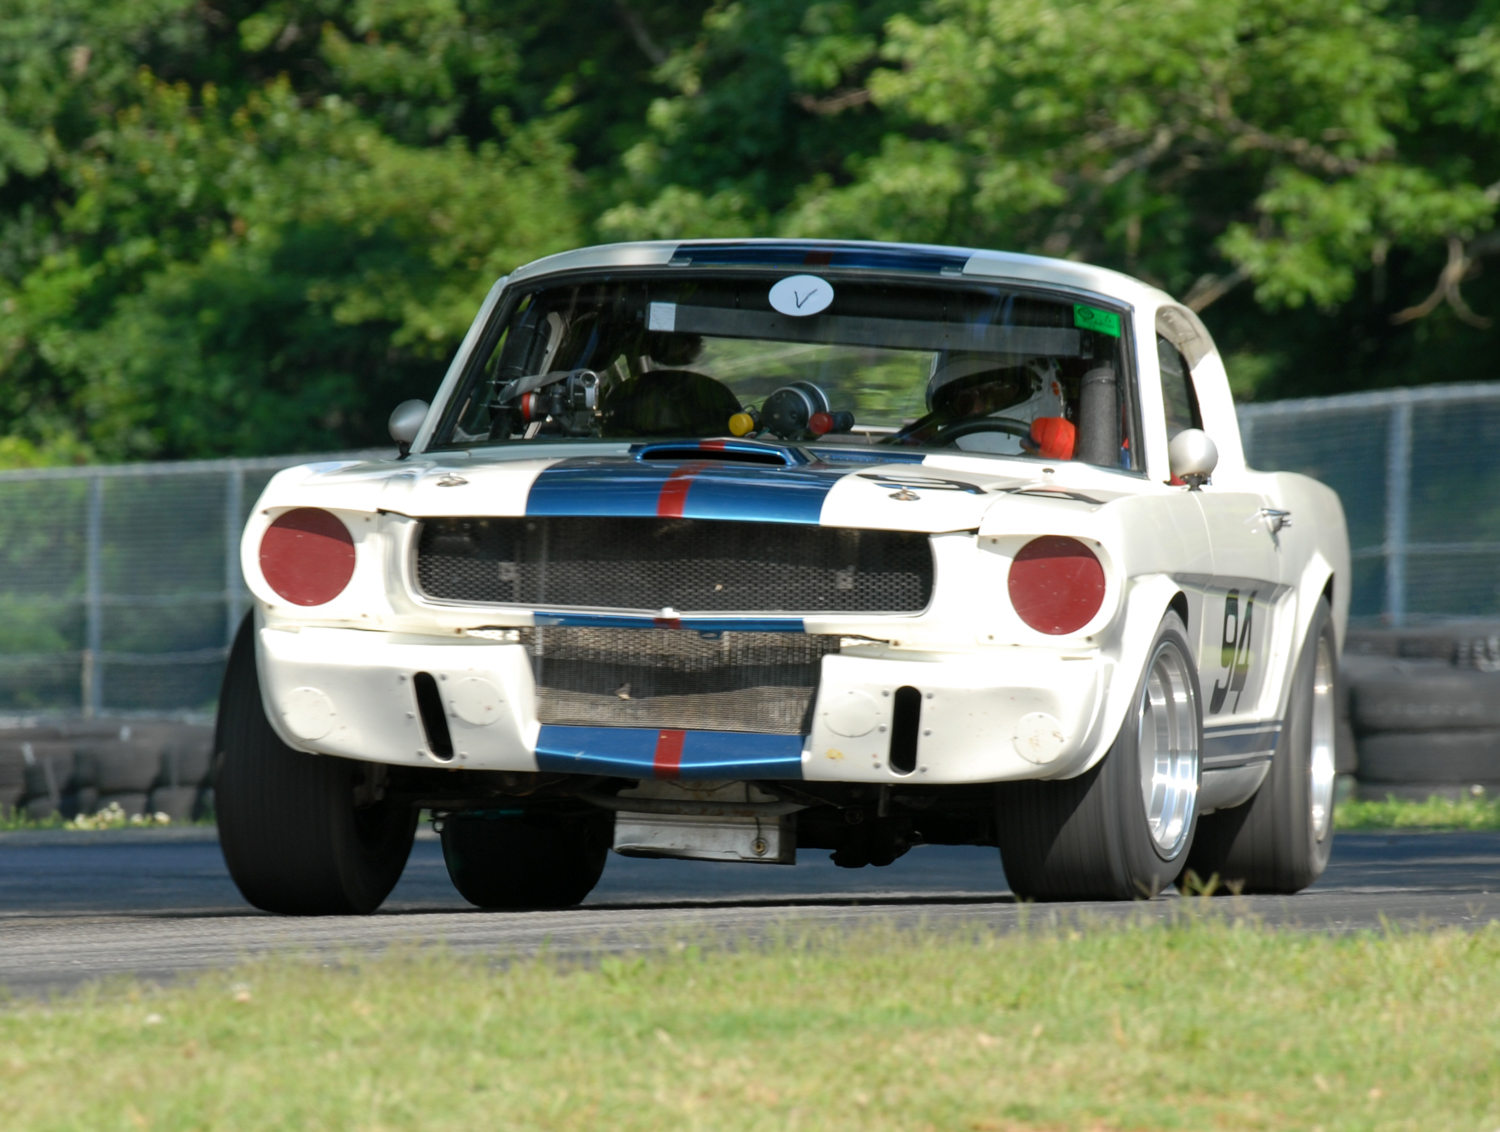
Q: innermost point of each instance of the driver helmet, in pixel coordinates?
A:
(1018, 389)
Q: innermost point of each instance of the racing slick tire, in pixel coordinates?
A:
(506, 859)
(1121, 830)
(294, 838)
(1279, 841)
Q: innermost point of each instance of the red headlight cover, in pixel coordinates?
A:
(1056, 584)
(307, 556)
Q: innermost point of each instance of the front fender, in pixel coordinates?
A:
(1147, 600)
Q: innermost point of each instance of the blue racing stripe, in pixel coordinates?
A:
(812, 257)
(866, 456)
(598, 486)
(760, 495)
(625, 487)
(632, 752)
(1220, 741)
(700, 624)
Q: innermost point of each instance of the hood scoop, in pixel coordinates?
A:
(720, 451)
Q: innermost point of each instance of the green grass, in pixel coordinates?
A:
(111, 817)
(1198, 1025)
(16, 819)
(1434, 814)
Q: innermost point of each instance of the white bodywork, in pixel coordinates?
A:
(1002, 701)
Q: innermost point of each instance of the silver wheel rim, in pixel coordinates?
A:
(1321, 764)
(1168, 745)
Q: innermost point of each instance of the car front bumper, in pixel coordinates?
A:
(986, 715)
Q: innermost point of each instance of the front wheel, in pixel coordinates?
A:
(512, 859)
(1280, 840)
(1121, 830)
(304, 835)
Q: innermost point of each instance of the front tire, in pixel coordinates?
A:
(292, 835)
(509, 859)
(1280, 840)
(1121, 830)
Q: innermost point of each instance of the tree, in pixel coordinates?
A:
(256, 227)
(1306, 160)
(237, 226)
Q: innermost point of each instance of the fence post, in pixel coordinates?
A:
(234, 505)
(93, 668)
(1397, 503)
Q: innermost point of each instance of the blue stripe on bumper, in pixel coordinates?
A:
(631, 752)
(701, 624)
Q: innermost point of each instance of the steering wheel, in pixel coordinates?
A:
(983, 424)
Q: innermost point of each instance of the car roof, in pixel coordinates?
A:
(922, 259)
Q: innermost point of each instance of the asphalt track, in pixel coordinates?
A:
(159, 904)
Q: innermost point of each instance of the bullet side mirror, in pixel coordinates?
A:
(406, 422)
(1192, 456)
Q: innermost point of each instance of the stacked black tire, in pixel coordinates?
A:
(1425, 707)
(82, 767)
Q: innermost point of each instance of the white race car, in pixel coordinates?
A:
(723, 549)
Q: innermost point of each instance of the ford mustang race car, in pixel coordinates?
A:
(730, 549)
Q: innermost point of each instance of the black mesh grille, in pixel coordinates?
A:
(676, 678)
(690, 565)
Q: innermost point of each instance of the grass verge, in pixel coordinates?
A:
(1201, 1024)
(111, 817)
(1435, 814)
(1475, 813)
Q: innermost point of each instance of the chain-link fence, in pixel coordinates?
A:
(1419, 473)
(120, 587)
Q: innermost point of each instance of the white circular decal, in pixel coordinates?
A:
(308, 713)
(855, 715)
(476, 701)
(1039, 738)
(801, 295)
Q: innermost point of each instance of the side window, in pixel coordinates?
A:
(1177, 393)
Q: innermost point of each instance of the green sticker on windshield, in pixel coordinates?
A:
(1092, 318)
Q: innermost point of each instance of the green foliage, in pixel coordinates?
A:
(1318, 156)
(336, 271)
(254, 225)
(256, 228)
(1474, 812)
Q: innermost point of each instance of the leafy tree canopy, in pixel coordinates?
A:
(238, 227)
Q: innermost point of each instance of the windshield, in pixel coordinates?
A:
(798, 358)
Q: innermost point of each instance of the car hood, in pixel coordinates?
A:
(850, 489)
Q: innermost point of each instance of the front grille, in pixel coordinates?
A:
(690, 565)
(676, 678)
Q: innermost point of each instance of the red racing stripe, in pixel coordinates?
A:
(668, 760)
(673, 498)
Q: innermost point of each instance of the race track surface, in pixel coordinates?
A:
(76, 907)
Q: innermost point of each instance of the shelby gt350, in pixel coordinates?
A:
(734, 549)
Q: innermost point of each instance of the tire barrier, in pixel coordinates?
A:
(81, 767)
(1417, 696)
(117, 766)
(180, 803)
(12, 779)
(1425, 709)
(1455, 757)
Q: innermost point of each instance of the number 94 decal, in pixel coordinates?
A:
(1239, 617)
